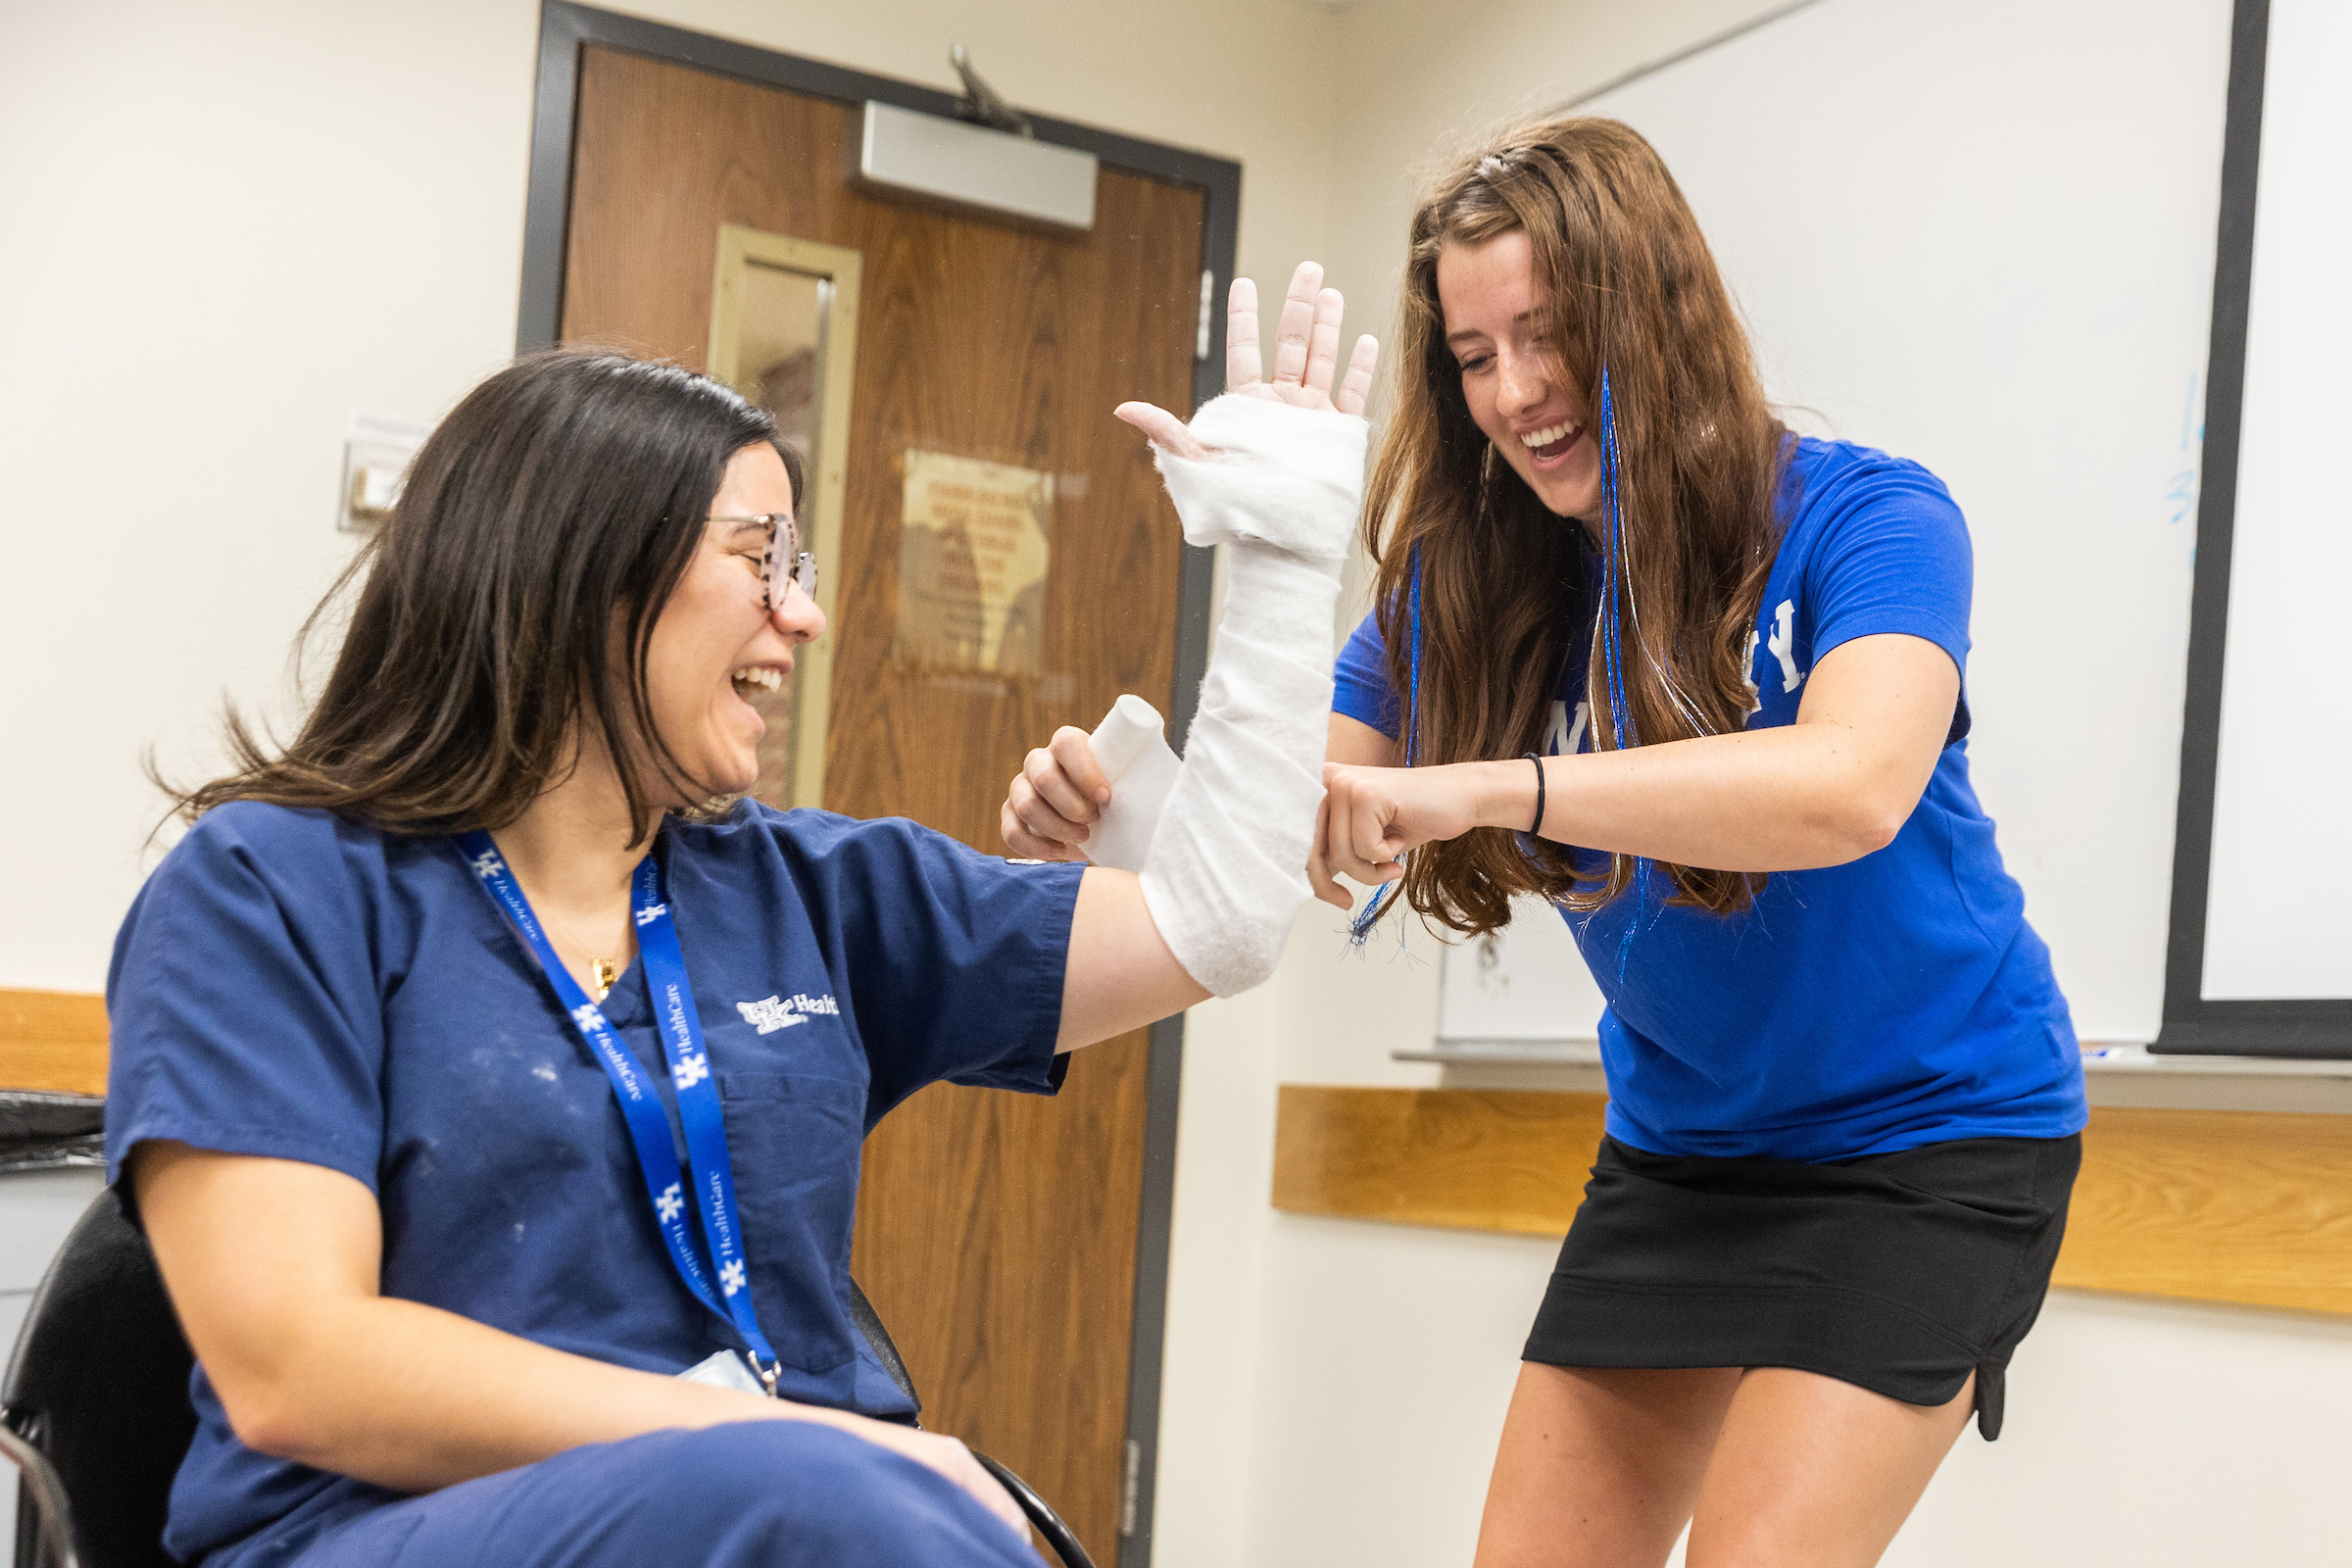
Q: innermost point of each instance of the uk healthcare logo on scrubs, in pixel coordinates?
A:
(782, 1013)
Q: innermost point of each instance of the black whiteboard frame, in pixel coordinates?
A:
(2195, 1026)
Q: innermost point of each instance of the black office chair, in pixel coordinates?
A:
(95, 1411)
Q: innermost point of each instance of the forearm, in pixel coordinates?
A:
(413, 1398)
(1352, 743)
(312, 1363)
(1786, 799)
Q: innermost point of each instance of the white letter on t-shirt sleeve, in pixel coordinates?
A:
(1783, 644)
(1747, 677)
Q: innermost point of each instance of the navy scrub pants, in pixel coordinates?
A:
(749, 1495)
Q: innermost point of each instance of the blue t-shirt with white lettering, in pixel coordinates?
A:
(1896, 1001)
(298, 986)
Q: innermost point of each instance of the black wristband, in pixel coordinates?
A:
(1537, 829)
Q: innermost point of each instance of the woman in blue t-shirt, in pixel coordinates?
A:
(491, 1087)
(1642, 652)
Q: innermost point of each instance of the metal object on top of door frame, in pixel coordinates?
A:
(982, 104)
(973, 165)
(563, 30)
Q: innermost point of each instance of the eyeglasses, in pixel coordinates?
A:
(786, 565)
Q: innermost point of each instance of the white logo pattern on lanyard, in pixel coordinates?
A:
(699, 1112)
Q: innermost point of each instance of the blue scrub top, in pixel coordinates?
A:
(296, 984)
(1896, 1001)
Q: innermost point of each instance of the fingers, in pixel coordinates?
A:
(1166, 430)
(1355, 388)
(1297, 326)
(1059, 790)
(939, 1453)
(951, 1459)
(1306, 348)
(1323, 342)
(1031, 845)
(1034, 822)
(975, 1479)
(1374, 848)
(1339, 859)
(1318, 873)
(1079, 779)
(1242, 370)
(1358, 840)
(1046, 810)
(1056, 807)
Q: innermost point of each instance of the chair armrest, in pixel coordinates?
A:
(1049, 1524)
(47, 1494)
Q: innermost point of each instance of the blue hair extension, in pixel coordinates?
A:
(1360, 930)
(1612, 637)
(1412, 700)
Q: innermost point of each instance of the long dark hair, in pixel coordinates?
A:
(544, 524)
(1631, 286)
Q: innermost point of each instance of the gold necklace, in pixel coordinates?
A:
(602, 972)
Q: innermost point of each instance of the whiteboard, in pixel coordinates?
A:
(1523, 986)
(1983, 237)
(2274, 924)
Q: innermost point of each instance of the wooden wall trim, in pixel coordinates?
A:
(53, 1040)
(2215, 1205)
(1480, 1160)
(2252, 1207)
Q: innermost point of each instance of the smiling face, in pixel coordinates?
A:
(716, 643)
(1511, 377)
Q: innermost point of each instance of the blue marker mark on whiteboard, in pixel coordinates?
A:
(2181, 497)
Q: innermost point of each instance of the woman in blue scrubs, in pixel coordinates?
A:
(479, 1068)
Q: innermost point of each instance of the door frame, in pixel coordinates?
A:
(565, 28)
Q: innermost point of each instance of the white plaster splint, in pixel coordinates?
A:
(1226, 871)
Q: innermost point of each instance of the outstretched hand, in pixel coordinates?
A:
(1307, 355)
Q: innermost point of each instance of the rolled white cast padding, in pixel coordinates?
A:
(1131, 746)
(1227, 866)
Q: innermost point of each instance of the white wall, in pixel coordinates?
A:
(1335, 1387)
(227, 227)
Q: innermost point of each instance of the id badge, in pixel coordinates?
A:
(724, 1370)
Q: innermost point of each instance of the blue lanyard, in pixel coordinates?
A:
(699, 1109)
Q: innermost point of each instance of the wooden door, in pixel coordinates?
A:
(996, 1232)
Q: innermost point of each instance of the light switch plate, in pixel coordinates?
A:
(376, 448)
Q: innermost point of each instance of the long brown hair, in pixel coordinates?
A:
(1632, 291)
(560, 502)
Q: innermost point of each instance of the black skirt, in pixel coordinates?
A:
(1899, 1273)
